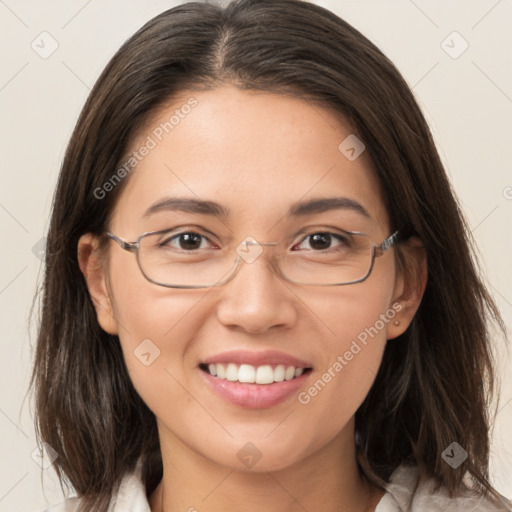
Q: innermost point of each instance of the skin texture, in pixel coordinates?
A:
(257, 154)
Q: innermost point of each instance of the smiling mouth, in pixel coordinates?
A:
(249, 374)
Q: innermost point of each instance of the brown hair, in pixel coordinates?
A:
(435, 381)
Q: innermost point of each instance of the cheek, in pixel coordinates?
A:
(142, 309)
(157, 344)
(352, 344)
(155, 326)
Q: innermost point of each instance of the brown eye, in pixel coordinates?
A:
(188, 241)
(323, 240)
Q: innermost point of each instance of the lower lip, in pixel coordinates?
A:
(255, 396)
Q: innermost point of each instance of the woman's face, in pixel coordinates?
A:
(256, 155)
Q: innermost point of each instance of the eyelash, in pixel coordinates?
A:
(344, 239)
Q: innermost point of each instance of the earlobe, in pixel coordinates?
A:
(94, 272)
(409, 287)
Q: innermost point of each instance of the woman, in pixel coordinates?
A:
(259, 289)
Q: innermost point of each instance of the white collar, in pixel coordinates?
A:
(131, 496)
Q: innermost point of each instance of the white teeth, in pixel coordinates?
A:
(232, 372)
(247, 373)
(279, 373)
(289, 373)
(264, 374)
(221, 373)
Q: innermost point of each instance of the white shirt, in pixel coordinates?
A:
(132, 497)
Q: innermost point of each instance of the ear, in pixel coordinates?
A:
(93, 268)
(410, 286)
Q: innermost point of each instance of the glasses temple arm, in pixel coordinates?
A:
(127, 246)
(386, 244)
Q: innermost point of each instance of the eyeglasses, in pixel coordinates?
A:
(170, 258)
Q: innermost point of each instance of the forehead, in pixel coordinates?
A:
(255, 152)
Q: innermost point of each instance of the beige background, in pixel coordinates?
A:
(467, 100)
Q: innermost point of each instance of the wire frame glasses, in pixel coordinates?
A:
(172, 259)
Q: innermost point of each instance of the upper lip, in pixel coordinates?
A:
(272, 357)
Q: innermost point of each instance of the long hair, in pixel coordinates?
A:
(436, 380)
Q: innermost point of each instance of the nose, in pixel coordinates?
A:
(257, 299)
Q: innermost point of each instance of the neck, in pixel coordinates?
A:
(329, 480)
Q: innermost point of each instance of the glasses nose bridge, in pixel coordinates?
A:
(271, 256)
(257, 243)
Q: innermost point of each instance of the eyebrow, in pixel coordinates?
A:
(299, 209)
